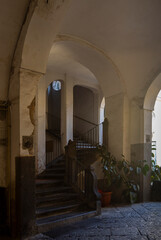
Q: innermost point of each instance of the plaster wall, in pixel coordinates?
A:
(117, 113)
(126, 128)
(114, 114)
(23, 89)
(147, 126)
(66, 111)
(40, 126)
(3, 160)
(3, 149)
(85, 80)
(41, 32)
(28, 88)
(97, 62)
(136, 123)
(11, 20)
(142, 151)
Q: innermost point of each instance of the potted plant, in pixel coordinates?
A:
(155, 179)
(121, 175)
(110, 176)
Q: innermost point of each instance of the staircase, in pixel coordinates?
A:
(56, 202)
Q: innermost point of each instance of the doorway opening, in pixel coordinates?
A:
(53, 121)
(156, 130)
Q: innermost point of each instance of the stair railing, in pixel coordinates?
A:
(53, 150)
(53, 123)
(97, 134)
(82, 178)
(53, 146)
(90, 134)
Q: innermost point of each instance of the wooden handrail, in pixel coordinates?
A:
(81, 178)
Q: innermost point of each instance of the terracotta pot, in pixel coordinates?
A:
(106, 199)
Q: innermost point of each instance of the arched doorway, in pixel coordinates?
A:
(53, 121)
(85, 114)
(156, 130)
(149, 104)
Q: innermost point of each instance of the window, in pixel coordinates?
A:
(56, 85)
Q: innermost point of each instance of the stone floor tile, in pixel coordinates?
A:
(133, 222)
(119, 238)
(39, 237)
(128, 231)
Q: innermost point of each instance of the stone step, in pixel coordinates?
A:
(55, 199)
(48, 191)
(46, 224)
(57, 165)
(56, 204)
(47, 175)
(55, 210)
(57, 195)
(56, 169)
(40, 183)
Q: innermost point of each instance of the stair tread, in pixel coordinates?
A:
(56, 208)
(55, 201)
(55, 189)
(53, 169)
(51, 176)
(55, 204)
(56, 197)
(42, 181)
(62, 217)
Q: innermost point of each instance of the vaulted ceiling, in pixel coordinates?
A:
(111, 38)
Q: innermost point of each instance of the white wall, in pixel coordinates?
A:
(156, 127)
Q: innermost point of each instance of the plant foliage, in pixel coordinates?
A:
(155, 169)
(118, 172)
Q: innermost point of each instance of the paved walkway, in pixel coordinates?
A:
(133, 222)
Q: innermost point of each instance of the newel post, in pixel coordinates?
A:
(105, 133)
(92, 190)
(70, 155)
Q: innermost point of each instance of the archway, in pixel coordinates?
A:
(85, 110)
(156, 130)
(149, 102)
(29, 67)
(53, 122)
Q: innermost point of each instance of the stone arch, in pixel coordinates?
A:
(33, 48)
(152, 92)
(96, 60)
(40, 34)
(149, 102)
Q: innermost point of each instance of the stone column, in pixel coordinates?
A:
(66, 111)
(27, 112)
(25, 196)
(23, 87)
(40, 126)
(117, 113)
(141, 135)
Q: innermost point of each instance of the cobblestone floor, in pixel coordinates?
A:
(132, 222)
